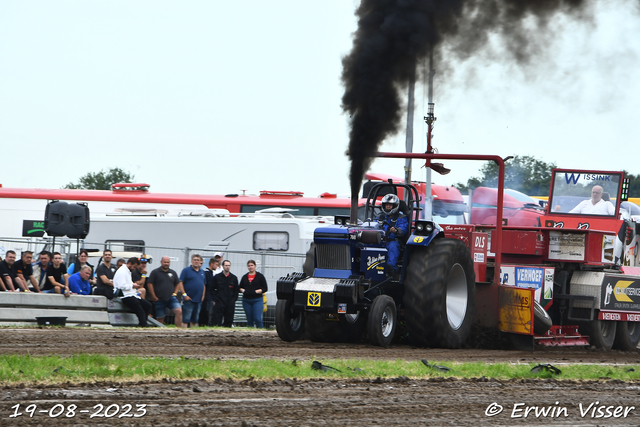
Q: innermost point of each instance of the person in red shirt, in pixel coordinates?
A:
(253, 286)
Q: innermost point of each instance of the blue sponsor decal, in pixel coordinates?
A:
(529, 277)
(595, 177)
(573, 178)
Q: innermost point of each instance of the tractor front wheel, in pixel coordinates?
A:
(289, 324)
(382, 321)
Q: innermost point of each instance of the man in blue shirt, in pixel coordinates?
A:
(193, 280)
(79, 282)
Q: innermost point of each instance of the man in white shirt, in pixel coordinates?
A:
(595, 205)
(122, 280)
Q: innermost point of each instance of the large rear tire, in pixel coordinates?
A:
(381, 325)
(440, 294)
(627, 336)
(289, 324)
(310, 261)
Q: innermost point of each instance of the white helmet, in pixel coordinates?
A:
(393, 200)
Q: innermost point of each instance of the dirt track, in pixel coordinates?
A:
(399, 401)
(253, 344)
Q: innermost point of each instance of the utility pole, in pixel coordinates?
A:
(429, 120)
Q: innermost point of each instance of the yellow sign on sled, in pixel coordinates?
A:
(516, 309)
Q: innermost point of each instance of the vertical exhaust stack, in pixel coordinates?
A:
(354, 208)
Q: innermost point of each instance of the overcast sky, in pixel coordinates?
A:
(223, 96)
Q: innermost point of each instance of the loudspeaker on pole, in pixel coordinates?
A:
(64, 219)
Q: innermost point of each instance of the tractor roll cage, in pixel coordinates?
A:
(382, 188)
(497, 249)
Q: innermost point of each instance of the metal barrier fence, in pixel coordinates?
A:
(35, 245)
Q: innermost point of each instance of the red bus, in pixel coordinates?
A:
(21, 204)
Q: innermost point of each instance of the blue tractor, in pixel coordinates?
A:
(348, 290)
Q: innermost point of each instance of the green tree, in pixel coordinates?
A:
(522, 173)
(634, 184)
(101, 180)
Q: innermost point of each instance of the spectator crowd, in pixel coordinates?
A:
(195, 296)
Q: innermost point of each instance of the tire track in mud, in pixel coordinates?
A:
(250, 344)
(394, 401)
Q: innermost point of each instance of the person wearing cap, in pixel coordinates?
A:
(206, 312)
(225, 294)
(218, 257)
(139, 275)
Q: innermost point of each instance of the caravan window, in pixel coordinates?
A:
(125, 245)
(298, 210)
(270, 241)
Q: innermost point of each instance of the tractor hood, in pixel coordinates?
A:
(341, 234)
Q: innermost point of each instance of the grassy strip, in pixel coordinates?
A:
(89, 368)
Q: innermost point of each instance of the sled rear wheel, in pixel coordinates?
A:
(627, 336)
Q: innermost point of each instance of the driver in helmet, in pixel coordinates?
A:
(395, 225)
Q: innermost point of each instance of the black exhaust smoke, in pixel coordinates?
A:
(394, 35)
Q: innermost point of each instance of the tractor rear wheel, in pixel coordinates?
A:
(381, 325)
(627, 336)
(289, 324)
(310, 261)
(440, 294)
